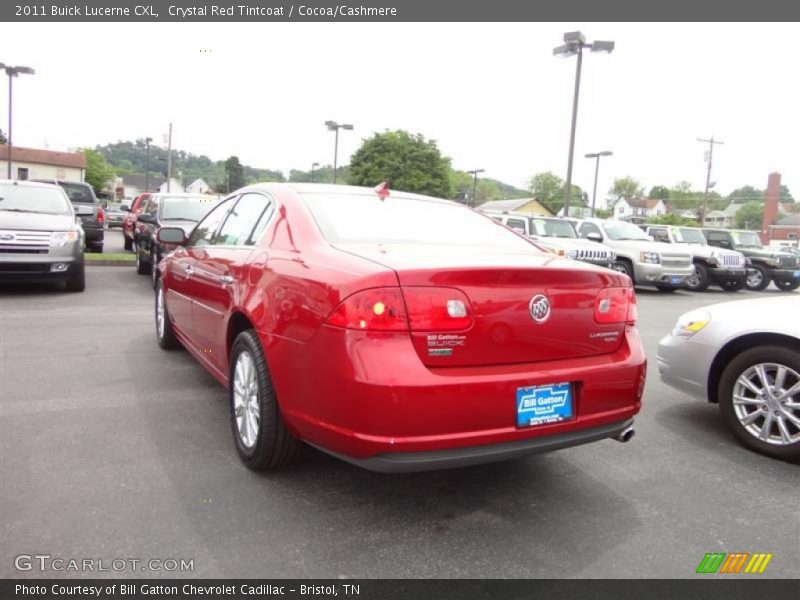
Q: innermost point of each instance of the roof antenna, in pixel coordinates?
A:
(382, 189)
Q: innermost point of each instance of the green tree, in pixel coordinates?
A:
(672, 219)
(659, 192)
(602, 213)
(627, 188)
(784, 195)
(234, 174)
(750, 215)
(408, 162)
(3, 138)
(98, 171)
(548, 188)
(746, 193)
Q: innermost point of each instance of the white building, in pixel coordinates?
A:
(638, 210)
(30, 163)
(174, 186)
(198, 186)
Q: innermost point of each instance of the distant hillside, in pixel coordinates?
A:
(131, 158)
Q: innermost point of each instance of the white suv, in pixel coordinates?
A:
(643, 260)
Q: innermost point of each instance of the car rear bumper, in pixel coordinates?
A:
(372, 398)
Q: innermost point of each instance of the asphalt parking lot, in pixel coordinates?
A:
(112, 448)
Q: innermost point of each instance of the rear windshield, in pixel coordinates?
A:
(182, 208)
(77, 192)
(46, 200)
(552, 228)
(114, 207)
(345, 218)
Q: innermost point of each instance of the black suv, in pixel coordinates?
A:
(87, 207)
(765, 265)
(165, 210)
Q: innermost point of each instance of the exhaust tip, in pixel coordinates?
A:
(625, 435)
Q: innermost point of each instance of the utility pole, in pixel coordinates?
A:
(710, 143)
(474, 174)
(147, 141)
(169, 158)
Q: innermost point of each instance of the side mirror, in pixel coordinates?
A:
(146, 218)
(594, 237)
(171, 235)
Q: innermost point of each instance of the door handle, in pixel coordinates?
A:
(188, 269)
(226, 279)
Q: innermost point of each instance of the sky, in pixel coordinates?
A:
(492, 95)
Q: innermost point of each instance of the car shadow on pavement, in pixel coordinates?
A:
(37, 288)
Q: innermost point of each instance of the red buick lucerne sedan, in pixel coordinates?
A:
(395, 331)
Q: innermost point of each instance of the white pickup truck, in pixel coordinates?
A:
(646, 262)
(726, 268)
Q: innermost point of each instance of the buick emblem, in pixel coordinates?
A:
(6, 237)
(540, 308)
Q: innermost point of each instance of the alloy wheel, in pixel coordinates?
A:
(160, 313)
(754, 278)
(245, 400)
(694, 279)
(766, 401)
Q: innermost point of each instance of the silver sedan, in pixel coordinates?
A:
(745, 356)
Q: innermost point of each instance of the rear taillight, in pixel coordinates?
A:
(101, 216)
(615, 305)
(437, 309)
(415, 308)
(378, 309)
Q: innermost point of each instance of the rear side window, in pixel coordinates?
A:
(364, 218)
(660, 235)
(516, 225)
(152, 206)
(242, 219)
(77, 192)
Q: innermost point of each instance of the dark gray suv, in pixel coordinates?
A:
(40, 236)
(87, 207)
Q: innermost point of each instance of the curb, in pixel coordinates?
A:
(110, 263)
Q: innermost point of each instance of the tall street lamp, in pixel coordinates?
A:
(313, 166)
(147, 141)
(575, 43)
(334, 126)
(595, 155)
(13, 72)
(474, 174)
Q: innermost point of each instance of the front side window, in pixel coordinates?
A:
(203, 234)
(242, 220)
(516, 225)
(587, 228)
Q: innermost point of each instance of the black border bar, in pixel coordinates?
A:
(396, 10)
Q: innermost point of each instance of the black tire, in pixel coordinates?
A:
(142, 266)
(732, 285)
(757, 281)
(699, 281)
(165, 336)
(128, 243)
(77, 280)
(153, 270)
(274, 446)
(666, 289)
(787, 286)
(737, 367)
(623, 266)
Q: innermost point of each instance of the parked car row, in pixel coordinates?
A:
(697, 257)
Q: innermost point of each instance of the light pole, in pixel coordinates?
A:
(474, 174)
(334, 126)
(13, 72)
(575, 43)
(147, 141)
(709, 185)
(595, 155)
(313, 166)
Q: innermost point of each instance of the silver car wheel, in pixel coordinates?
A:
(754, 278)
(245, 400)
(694, 279)
(160, 313)
(619, 268)
(766, 400)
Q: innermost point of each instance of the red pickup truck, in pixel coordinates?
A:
(129, 223)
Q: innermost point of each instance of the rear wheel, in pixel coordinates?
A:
(787, 286)
(142, 266)
(698, 281)
(164, 332)
(261, 438)
(759, 397)
(757, 278)
(153, 269)
(77, 280)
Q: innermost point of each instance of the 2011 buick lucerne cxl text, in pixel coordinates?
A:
(396, 331)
